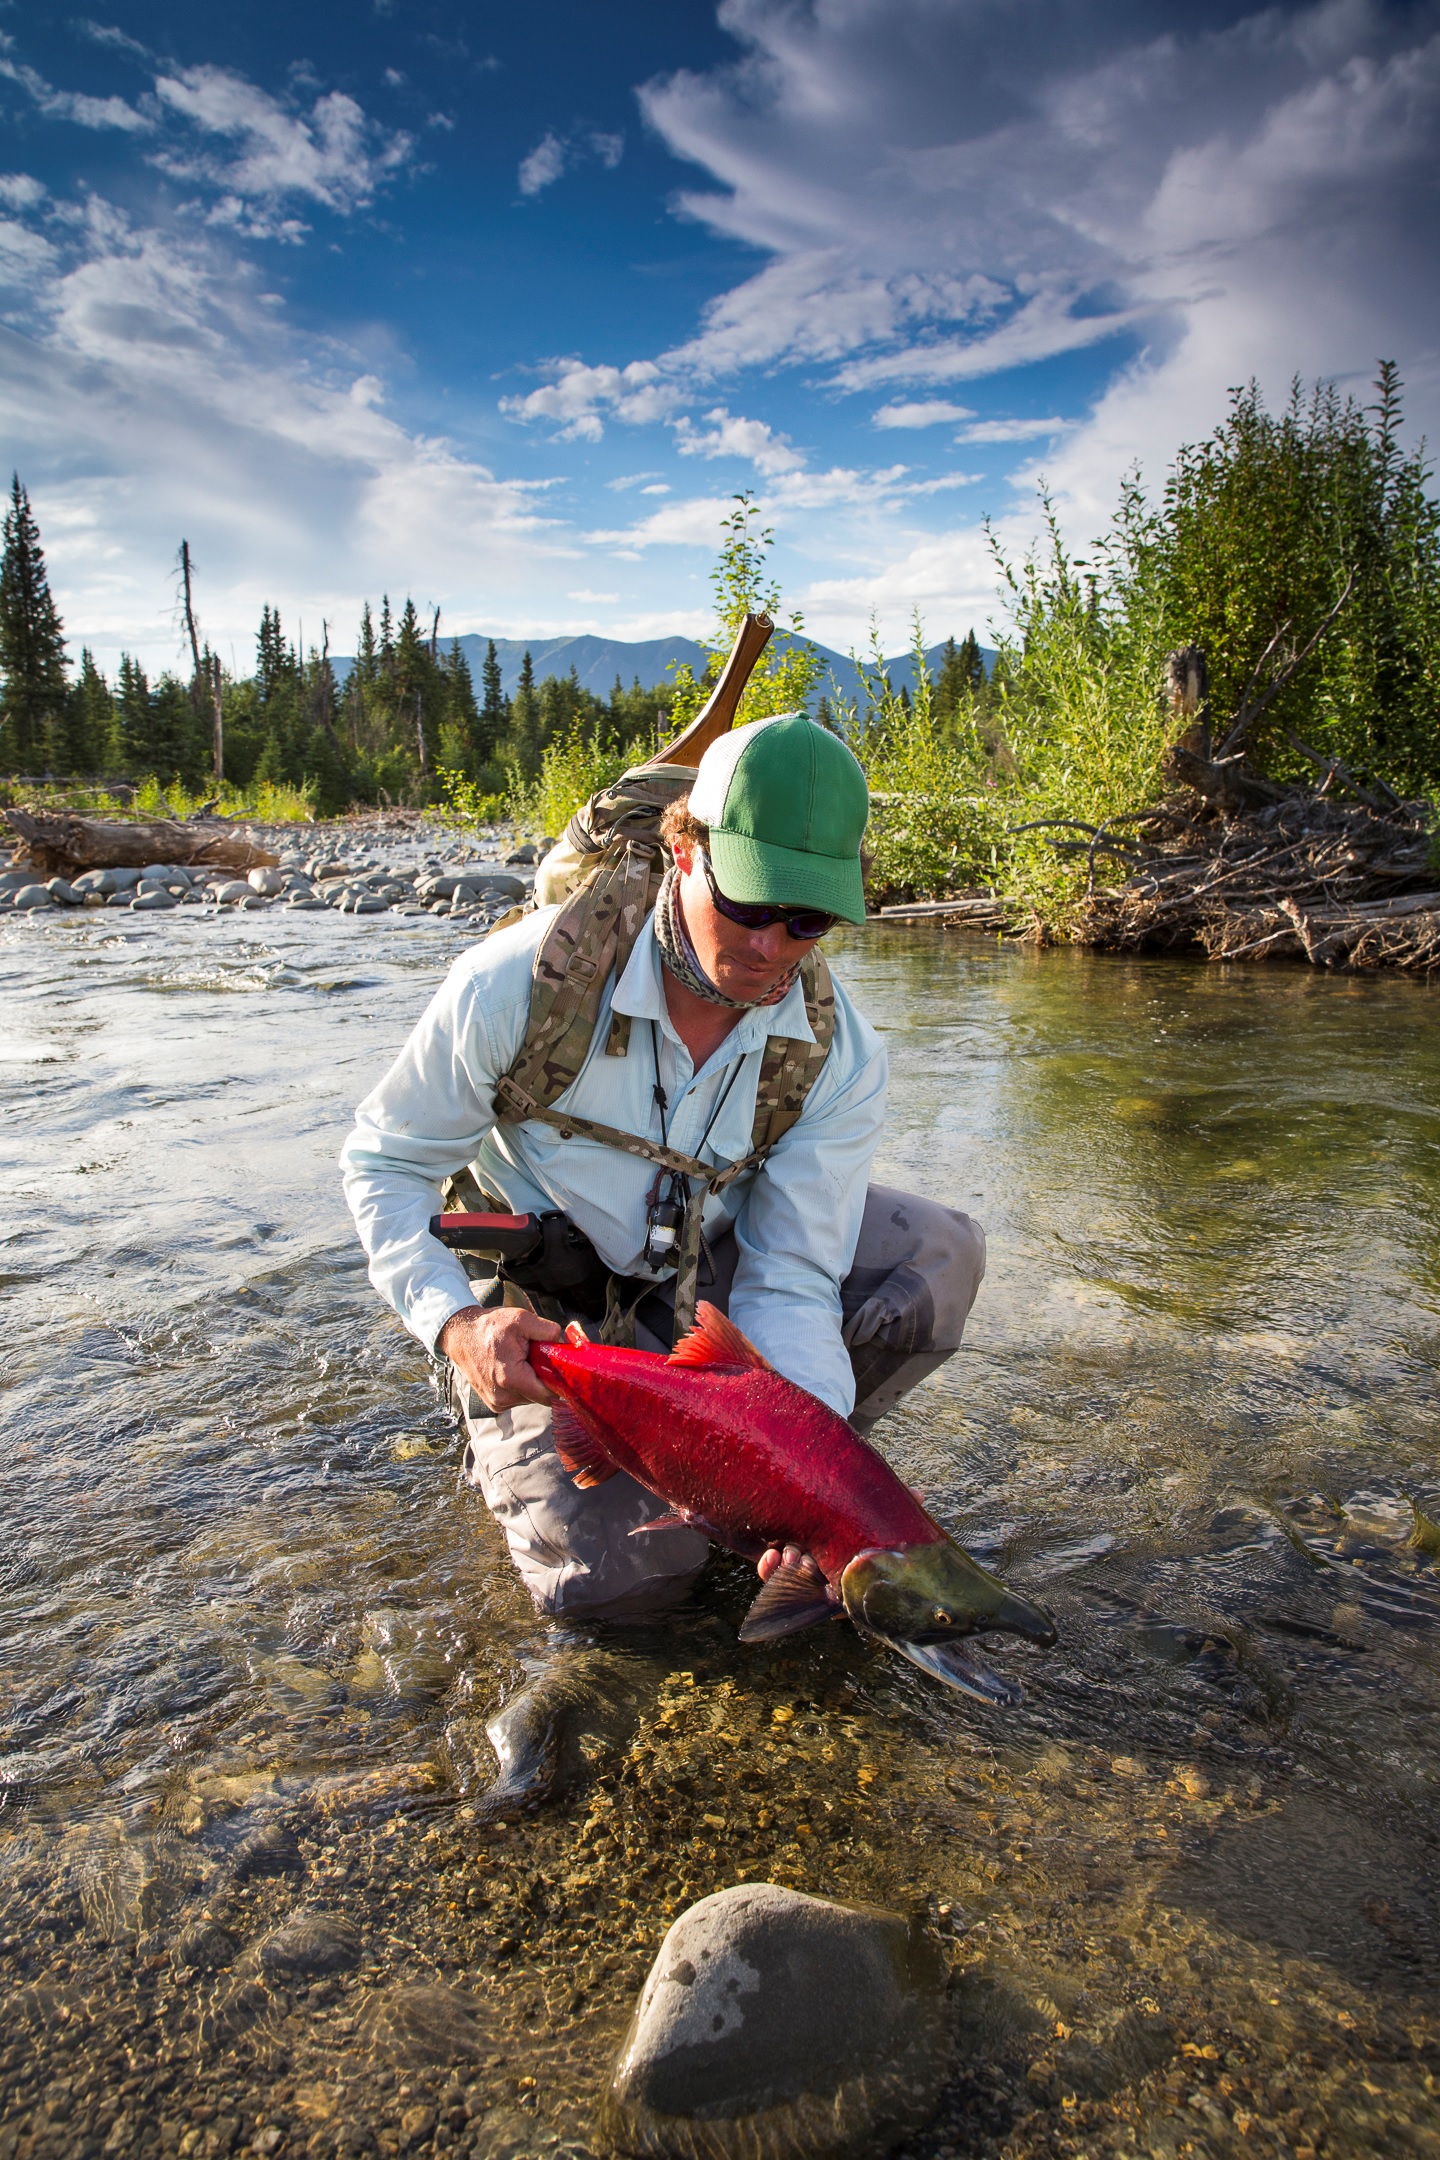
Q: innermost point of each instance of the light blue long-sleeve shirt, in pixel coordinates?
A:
(796, 1219)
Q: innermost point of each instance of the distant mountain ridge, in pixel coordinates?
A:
(598, 660)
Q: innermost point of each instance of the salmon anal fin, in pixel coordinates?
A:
(714, 1340)
(793, 1598)
(579, 1453)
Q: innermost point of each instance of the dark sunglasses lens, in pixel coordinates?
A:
(808, 923)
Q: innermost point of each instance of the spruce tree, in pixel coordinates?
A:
(525, 721)
(173, 732)
(132, 718)
(418, 697)
(32, 644)
(463, 722)
(494, 705)
(91, 718)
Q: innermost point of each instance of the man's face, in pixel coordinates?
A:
(745, 964)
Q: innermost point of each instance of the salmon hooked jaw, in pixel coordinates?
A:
(926, 1601)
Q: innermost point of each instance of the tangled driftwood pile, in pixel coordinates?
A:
(1337, 884)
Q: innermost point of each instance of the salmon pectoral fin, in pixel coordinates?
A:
(714, 1340)
(579, 1453)
(793, 1598)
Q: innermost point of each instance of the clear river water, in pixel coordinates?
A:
(254, 1625)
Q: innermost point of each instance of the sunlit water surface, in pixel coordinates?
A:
(251, 1619)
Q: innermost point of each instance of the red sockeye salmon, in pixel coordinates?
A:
(737, 1451)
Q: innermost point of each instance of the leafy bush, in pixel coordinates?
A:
(574, 767)
(789, 667)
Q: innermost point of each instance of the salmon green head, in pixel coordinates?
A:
(926, 1600)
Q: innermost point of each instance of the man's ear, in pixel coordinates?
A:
(684, 854)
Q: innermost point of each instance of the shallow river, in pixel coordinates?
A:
(252, 1623)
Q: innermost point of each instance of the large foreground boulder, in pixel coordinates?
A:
(774, 2024)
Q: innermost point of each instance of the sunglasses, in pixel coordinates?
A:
(804, 924)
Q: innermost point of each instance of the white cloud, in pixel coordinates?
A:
(19, 191)
(87, 112)
(108, 34)
(543, 165)
(693, 523)
(579, 396)
(1003, 431)
(157, 391)
(332, 155)
(729, 435)
(555, 155)
(927, 412)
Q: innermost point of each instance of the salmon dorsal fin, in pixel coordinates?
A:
(580, 1454)
(714, 1340)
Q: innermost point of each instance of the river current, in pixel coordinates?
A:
(254, 1625)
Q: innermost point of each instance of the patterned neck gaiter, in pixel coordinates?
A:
(678, 953)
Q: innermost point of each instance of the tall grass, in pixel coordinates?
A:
(267, 802)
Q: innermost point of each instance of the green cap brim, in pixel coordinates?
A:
(758, 873)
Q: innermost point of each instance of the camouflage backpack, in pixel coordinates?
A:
(616, 859)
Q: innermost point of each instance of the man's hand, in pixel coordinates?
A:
(789, 1556)
(490, 1348)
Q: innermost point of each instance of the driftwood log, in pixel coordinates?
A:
(61, 844)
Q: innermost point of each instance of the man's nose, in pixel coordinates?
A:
(772, 943)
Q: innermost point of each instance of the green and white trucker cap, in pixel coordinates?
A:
(786, 804)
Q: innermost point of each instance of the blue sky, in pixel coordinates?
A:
(500, 307)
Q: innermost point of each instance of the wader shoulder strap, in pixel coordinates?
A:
(591, 938)
(790, 1067)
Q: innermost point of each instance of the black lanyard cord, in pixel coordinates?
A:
(662, 1100)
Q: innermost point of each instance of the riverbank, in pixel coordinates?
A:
(396, 864)
(1295, 877)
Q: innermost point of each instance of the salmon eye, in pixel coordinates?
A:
(940, 1616)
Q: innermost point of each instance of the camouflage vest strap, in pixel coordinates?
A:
(790, 1067)
(590, 939)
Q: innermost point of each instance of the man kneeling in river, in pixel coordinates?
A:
(723, 1009)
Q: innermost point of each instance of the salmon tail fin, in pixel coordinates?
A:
(714, 1340)
(580, 1453)
(794, 1597)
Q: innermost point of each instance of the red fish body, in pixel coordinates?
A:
(740, 1452)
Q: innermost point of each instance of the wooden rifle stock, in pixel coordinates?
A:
(717, 716)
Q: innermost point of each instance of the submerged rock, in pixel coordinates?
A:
(203, 1946)
(423, 2027)
(311, 1943)
(269, 1849)
(776, 2024)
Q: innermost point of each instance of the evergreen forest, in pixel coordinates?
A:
(1299, 549)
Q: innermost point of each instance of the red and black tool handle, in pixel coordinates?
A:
(490, 1237)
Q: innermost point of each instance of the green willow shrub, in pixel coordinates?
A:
(933, 793)
(1259, 529)
(788, 669)
(574, 767)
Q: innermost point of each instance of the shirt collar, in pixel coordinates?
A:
(640, 994)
